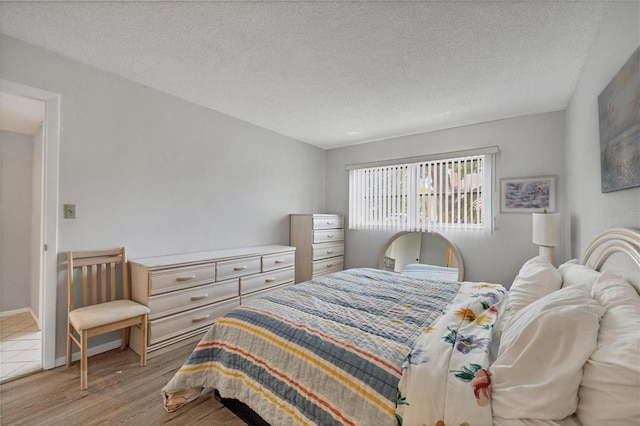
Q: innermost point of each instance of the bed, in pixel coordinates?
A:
(431, 272)
(372, 347)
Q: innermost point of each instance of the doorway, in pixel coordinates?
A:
(21, 225)
(43, 247)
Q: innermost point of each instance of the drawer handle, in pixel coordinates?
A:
(279, 261)
(200, 318)
(240, 268)
(329, 222)
(329, 235)
(329, 265)
(269, 280)
(199, 297)
(185, 278)
(329, 251)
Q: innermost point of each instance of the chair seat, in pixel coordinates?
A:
(104, 313)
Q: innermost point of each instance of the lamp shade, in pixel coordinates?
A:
(546, 229)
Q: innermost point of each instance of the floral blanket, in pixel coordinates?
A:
(445, 380)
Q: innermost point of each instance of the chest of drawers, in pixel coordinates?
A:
(186, 293)
(319, 242)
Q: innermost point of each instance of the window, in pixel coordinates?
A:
(423, 194)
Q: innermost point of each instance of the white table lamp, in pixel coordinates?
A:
(546, 233)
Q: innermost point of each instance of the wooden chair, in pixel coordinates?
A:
(104, 302)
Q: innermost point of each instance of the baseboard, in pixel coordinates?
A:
(16, 312)
(35, 318)
(75, 356)
(22, 311)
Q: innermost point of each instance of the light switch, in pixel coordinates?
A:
(69, 211)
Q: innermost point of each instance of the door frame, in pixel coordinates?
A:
(49, 277)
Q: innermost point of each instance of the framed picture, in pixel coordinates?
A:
(528, 194)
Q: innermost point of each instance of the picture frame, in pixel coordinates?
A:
(534, 194)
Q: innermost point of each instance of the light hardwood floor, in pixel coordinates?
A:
(120, 393)
(20, 342)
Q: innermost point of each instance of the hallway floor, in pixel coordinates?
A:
(20, 346)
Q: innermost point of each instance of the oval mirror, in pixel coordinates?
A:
(409, 250)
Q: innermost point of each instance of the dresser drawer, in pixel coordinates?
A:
(238, 267)
(176, 325)
(328, 235)
(328, 265)
(182, 300)
(266, 280)
(245, 298)
(177, 278)
(324, 250)
(278, 261)
(328, 221)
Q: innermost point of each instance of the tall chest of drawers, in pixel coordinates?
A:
(319, 242)
(186, 293)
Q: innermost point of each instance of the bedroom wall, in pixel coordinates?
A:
(16, 166)
(530, 146)
(160, 175)
(591, 210)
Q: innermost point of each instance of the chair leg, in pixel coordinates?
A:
(124, 339)
(143, 341)
(69, 345)
(83, 360)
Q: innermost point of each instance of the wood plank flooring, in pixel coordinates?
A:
(120, 393)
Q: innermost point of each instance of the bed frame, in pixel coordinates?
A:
(616, 250)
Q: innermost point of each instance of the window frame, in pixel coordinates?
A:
(380, 180)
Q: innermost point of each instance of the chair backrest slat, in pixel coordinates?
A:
(113, 281)
(94, 284)
(101, 273)
(96, 260)
(85, 289)
(103, 283)
(125, 279)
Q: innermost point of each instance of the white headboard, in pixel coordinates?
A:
(616, 250)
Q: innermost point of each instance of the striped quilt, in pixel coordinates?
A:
(328, 351)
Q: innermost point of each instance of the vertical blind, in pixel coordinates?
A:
(422, 196)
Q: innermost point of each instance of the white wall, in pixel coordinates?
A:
(16, 165)
(160, 175)
(591, 210)
(530, 146)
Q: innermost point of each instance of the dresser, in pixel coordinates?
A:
(186, 293)
(319, 243)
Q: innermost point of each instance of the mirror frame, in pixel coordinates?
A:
(454, 250)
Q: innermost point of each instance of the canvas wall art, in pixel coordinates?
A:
(619, 114)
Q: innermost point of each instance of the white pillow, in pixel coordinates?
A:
(575, 274)
(539, 365)
(498, 328)
(610, 389)
(537, 278)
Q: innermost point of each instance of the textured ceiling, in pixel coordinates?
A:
(331, 73)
